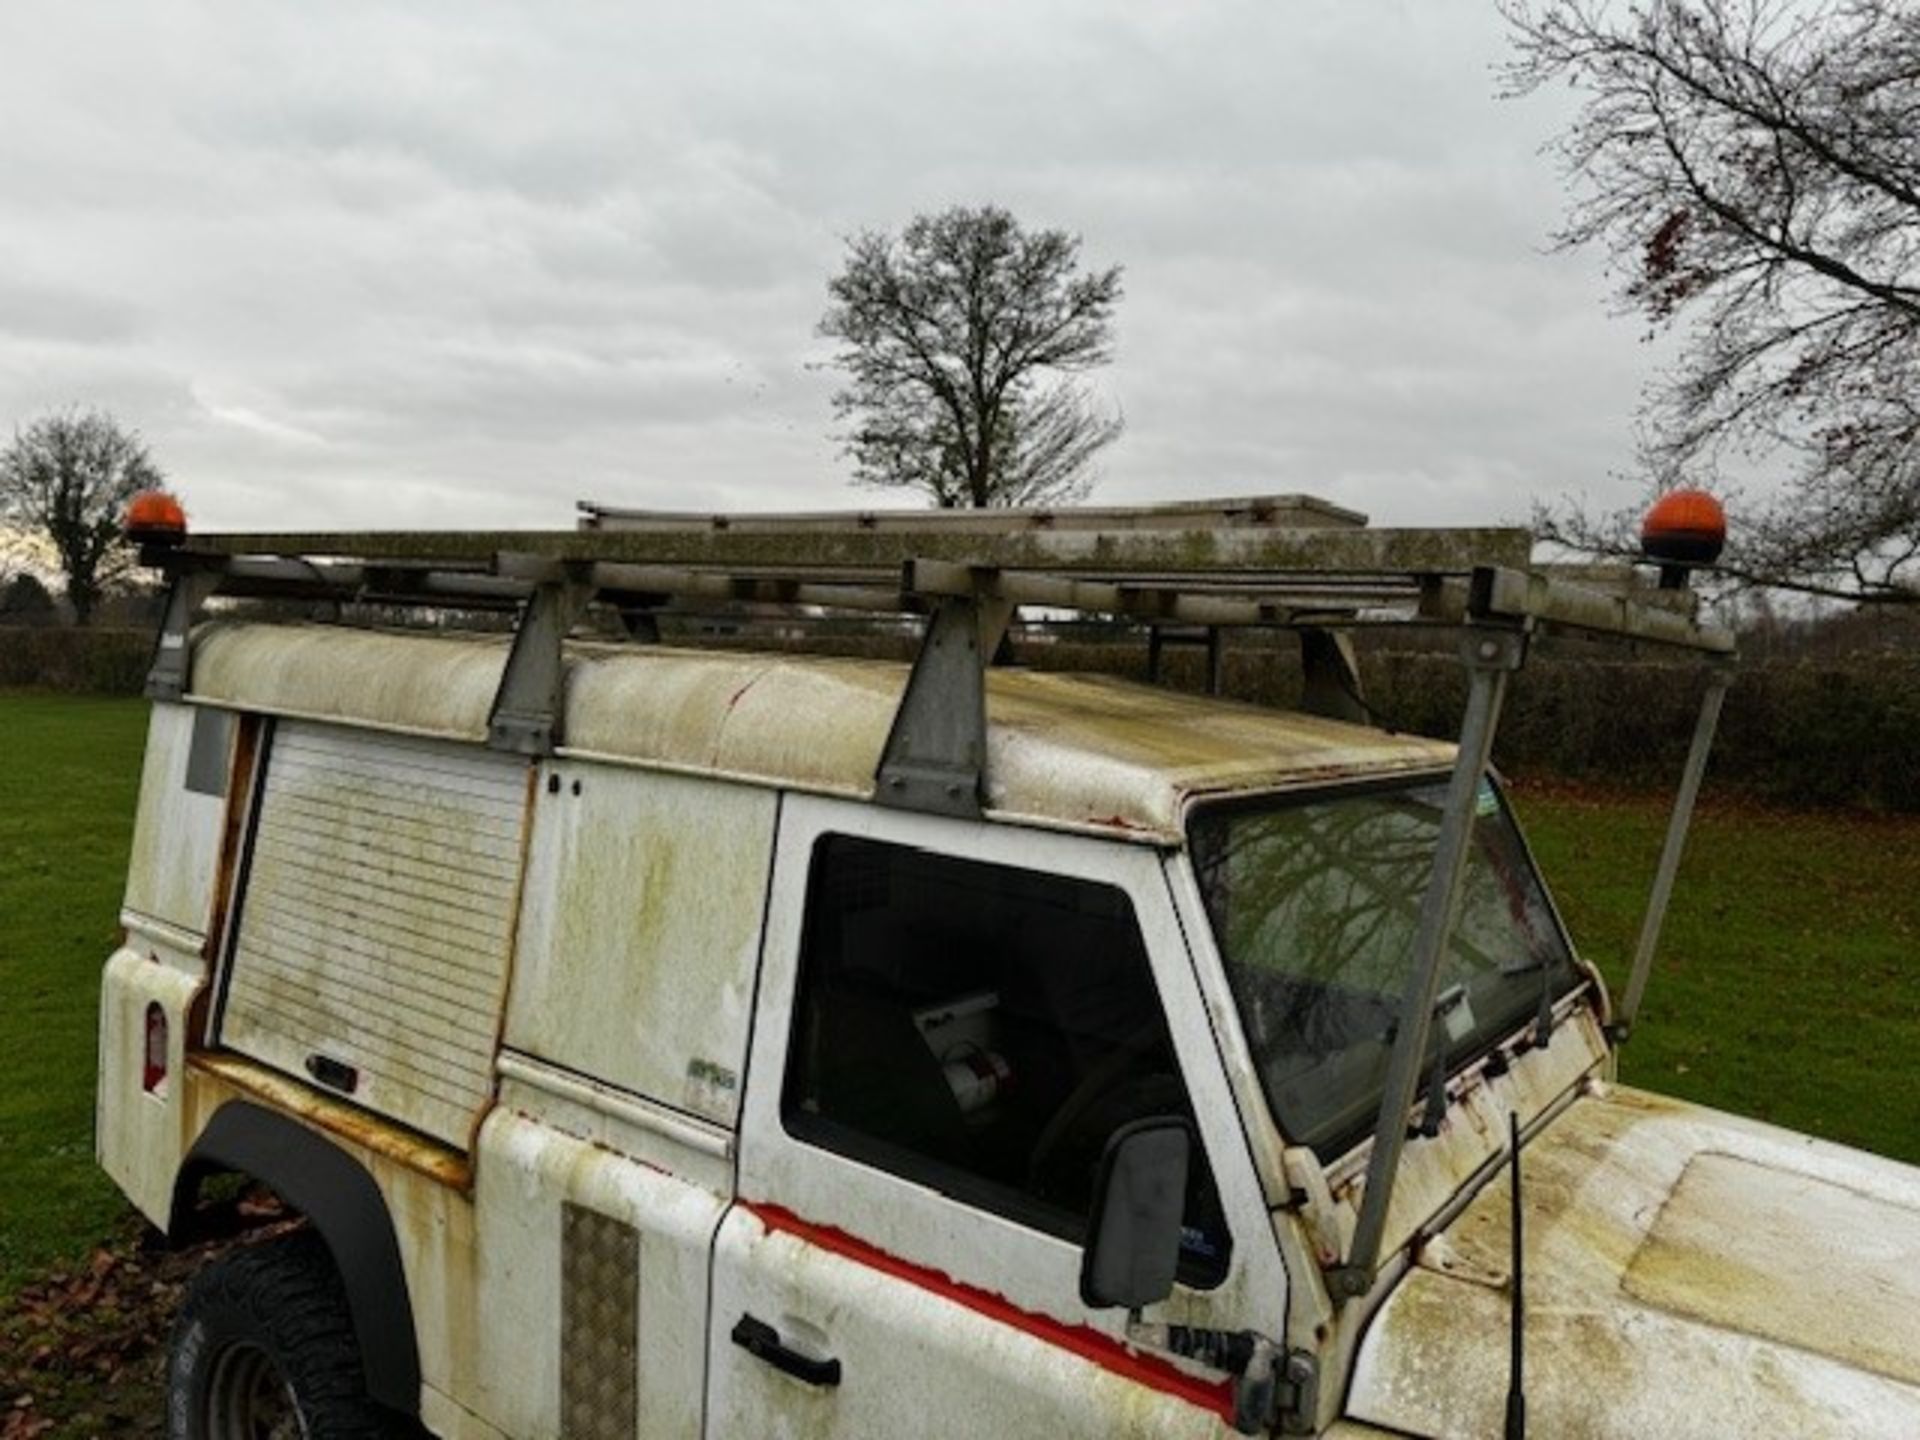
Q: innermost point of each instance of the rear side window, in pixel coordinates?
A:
(983, 1030)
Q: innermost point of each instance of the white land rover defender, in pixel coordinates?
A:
(670, 1041)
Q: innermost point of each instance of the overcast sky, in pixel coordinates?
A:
(433, 264)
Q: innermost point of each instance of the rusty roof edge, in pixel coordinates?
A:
(1433, 762)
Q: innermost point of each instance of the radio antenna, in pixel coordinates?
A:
(1516, 1379)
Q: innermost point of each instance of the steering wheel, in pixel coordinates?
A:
(1152, 1093)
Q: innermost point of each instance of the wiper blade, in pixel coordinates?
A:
(1543, 1022)
(1456, 1020)
(1543, 1016)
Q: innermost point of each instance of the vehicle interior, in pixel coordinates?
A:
(984, 1029)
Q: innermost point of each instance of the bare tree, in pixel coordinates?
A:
(1753, 168)
(69, 476)
(960, 339)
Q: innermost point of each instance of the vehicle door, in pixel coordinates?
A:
(953, 1018)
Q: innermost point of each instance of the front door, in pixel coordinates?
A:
(953, 1018)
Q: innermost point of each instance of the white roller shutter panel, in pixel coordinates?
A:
(377, 926)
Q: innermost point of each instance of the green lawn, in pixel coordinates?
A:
(1790, 988)
(1788, 985)
(66, 816)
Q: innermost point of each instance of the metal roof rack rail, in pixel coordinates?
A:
(1295, 511)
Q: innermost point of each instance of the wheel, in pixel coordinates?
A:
(264, 1350)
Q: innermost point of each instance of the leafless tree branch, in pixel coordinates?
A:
(1753, 170)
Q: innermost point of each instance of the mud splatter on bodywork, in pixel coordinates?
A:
(1689, 1274)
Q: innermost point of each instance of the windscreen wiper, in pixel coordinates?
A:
(1543, 1014)
(1543, 1022)
(1456, 1021)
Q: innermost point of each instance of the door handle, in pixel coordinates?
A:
(762, 1341)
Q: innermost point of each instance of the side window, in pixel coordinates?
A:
(984, 1030)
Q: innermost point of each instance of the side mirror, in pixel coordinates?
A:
(1139, 1199)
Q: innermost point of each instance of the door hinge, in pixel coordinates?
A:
(1296, 1393)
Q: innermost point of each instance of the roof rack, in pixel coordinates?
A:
(1282, 561)
(1277, 561)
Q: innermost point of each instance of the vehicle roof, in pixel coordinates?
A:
(1065, 750)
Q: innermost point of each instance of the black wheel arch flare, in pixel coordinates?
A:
(344, 1205)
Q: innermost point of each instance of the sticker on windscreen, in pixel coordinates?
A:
(1455, 1014)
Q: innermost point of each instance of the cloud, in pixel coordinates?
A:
(363, 264)
(34, 310)
(229, 411)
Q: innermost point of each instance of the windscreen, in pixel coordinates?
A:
(1314, 904)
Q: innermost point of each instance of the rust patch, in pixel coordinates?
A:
(233, 834)
(404, 1147)
(735, 698)
(195, 1030)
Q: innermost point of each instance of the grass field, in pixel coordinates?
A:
(1790, 987)
(66, 815)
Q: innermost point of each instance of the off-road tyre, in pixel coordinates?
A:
(264, 1349)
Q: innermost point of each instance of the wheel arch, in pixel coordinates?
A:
(342, 1202)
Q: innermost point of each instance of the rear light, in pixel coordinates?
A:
(153, 1067)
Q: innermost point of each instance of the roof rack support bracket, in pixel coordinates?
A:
(1719, 677)
(1490, 654)
(936, 753)
(1159, 637)
(170, 673)
(1330, 676)
(526, 716)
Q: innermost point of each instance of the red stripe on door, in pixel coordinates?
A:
(1082, 1340)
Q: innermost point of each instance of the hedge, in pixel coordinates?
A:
(1836, 732)
(1828, 733)
(107, 661)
